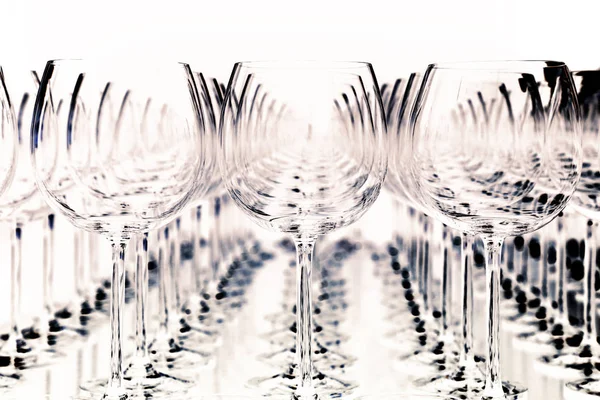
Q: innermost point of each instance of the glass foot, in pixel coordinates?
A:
(572, 363)
(18, 355)
(438, 358)
(511, 392)
(467, 378)
(588, 388)
(9, 378)
(154, 385)
(286, 384)
(324, 359)
(537, 342)
(169, 356)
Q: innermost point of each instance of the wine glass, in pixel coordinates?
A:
(509, 174)
(16, 208)
(8, 136)
(399, 103)
(585, 358)
(23, 84)
(299, 167)
(181, 344)
(127, 177)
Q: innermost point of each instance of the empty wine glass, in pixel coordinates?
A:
(298, 166)
(400, 101)
(511, 173)
(8, 135)
(16, 209)
(127, 177)
(49, 328)
(586, 357)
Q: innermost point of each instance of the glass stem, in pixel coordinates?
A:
(493, 380)
(164, 284)
(215, 238)
(93, 259)
(427, 271)
(48, 265)
(466, 356)
(589, 316)
(446, 249)
(524, 267)
(79, 260)
(422, 264)
(141, 295)
(539, 266)
(115, 389)
(517, 260)
(419, 256)
(561, 267)
(175, 258)
(197, 260)
(304, 252)
(544, 265)
(15, 281)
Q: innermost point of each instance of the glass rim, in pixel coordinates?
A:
(577, 71)
(114, 60)
(506, 66)
(299, 64)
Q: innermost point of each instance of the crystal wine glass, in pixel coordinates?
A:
(128, 177)
(509, 174)
(302, 169)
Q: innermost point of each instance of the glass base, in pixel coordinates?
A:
(583, 360)
(511, 392)
(464, 382)
(439, 357)
(154, 385)
(327, 338)
(538, 342)
(168, 356)
(517, 322)
(286, 384)
(9, 378)
(464, 375)
(19, 355)
(199, 334)
(59, 335)
(328, 360)
(587, 389)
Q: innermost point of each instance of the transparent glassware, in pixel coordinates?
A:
(127, 175)
(329, 313)
(423, 330)
(586, 357)
(509, 173)
(204, 314)
(548, 326)
(54, 329)
(298, 166)
(188, 332)
(18, 189)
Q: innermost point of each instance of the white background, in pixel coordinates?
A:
(396, 35)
